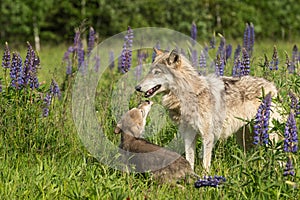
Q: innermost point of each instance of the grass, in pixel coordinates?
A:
(44, 158)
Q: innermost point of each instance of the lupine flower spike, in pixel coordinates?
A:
(289, 65)
(91, 42)
(220, 66)
(194, 33)
(53, 92)
(249, 38)
(30, 68)
(228, 51)
(274, 63)
(16, 71)
(68, 60)
(221, 49)
(6, 57)
(194, 58)
(295, 104)
(210, 181)
(245, 63)
(291, 135)
(126, 54)
(289, 168)
(261, 122)
(237, 52)
(294, 59)
(236, 70)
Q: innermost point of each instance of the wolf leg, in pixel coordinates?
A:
(190, 137)
(208, 144)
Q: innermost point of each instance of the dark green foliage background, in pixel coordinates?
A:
(56, 19)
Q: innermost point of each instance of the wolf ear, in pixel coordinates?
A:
(157, 51)
(174, 58)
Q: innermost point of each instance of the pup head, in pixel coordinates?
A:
(133, 122)
(161, 73)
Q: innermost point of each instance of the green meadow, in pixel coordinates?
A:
(44, 158)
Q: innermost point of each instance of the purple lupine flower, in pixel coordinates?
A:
(261, 122)
(80, 54)
(34, 83)
(245, 63)
(47, 103)
(6, 57)
(221, 49)
(219, 66)
(30, 68)
(236, 70)
(237, 52)
(251, 39)
(295, 104)
(76, 39)
(54, 89)
(202, 61)
(194, 58)
(194, 33)
(91, 42)
(68, 60)
(28, 64)
(126, 54)
(289, 65)
(111, 60)
(212, 42)
(210, 181)
(290, 135)
(294, 58)
(0, 86)
(247, 36)
(16, 71)
(274, 63)
(228, 51)
(289, 168)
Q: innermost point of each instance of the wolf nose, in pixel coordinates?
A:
(138, 88)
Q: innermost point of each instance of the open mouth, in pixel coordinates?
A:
(150, 92)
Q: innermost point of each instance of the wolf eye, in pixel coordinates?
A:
(156, 72)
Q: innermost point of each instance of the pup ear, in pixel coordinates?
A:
(174, 58)
(157, 51)
(118, 128)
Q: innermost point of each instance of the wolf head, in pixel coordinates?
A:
(161, 73)
(133, 122)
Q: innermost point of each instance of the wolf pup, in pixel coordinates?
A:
(165, 165)
(209, 106)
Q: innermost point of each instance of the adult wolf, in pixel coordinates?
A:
(210, 106)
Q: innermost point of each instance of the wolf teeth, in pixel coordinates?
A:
(152, 90)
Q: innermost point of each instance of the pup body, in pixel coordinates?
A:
(210, 106)
(165, 165)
